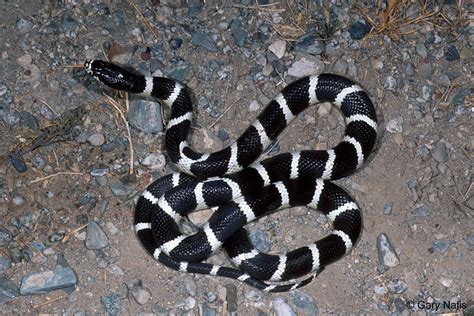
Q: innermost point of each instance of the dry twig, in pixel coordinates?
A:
(142, 18)
(55, 175)
(119, 109)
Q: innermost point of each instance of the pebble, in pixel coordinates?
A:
(281, 308)
(306, 65)
(387, 208)
(46, 281)
(24, 26)
(238, 32)
(96, 139)
(428, 93)
(358, 30)
(254, 106)
(8, 290)
(259, 240)
(387, 255)
(421, 50)
(441, 245)
(309, 44)
(121, 190)
(112, 304)
(5, 263)
(5, 236)
(422, 211)
(38, 162)
(190, 285)
(175, 43)
(395, 125)
(204, 41)
(304, 302)
(18, 164)
(154, 161)
(390, 83)
(29, 119)
(145, 116)
(140, 293)
(451, 53)
(115, 269)
(95, 238)
(440, 152)
(397, 287)
(99, 171)
(231, 297)
(278, 48)
(205, 310)
(380, 290)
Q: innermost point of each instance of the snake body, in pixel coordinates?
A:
(245, 190)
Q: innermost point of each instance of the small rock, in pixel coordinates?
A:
(421, 50)
(8, 291)
(189, 303)
(306, 65)
(278, 48)
(451, 53)
(281, 308)
(380, 290)
(238, 32)
(388, 257)
(5, 236)
(397, 287)
(46, 281)
(115, 269)
(155, 161)
(387, 208)
(309, 44)
(190, 285)
(141, 294)
(422, 210)
(204, 41)
(259, 240)
(441, 246)
(428, 93)
(395, 125)
(145, 116)
(112, 304)
(96, 139)
(175, 43)
(95, 238)
(390, 83)
(304, 302)
(254, 106)
(446, 282)
(199, 218)
(24, 26)
(358, 30)
(205, 310)
(121, 190)
(440, 152)
(231, 298)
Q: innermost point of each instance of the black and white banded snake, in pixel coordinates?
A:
(244, 189)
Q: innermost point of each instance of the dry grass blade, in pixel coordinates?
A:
(116, 105)
(142, 18)
(73, 232)
(55, 175)
(395, 17)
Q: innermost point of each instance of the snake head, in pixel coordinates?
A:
(114, 76)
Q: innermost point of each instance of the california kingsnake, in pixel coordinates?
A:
(245, 190)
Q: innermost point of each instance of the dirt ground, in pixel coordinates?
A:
(416, 188)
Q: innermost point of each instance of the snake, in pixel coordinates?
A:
(241, 188)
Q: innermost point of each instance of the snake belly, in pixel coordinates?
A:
(244, 189)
